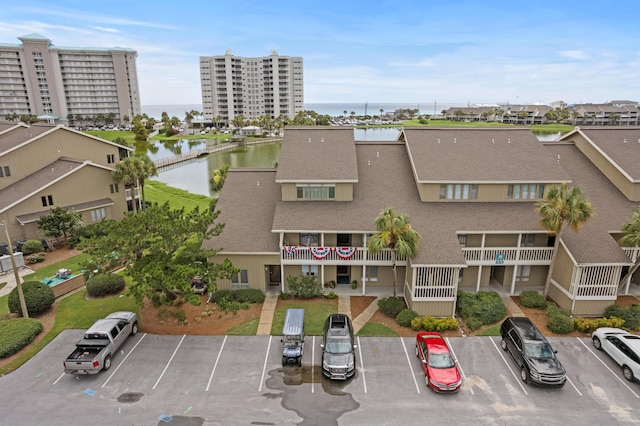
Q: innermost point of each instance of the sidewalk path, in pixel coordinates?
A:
(365, 316)
(266, 317)
(10, 279)
(512, 307)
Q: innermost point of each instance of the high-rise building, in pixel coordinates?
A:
(59, 83)
(252, 87)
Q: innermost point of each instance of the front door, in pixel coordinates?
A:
(274, 275)
(343, 274)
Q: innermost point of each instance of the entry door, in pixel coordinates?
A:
(343, 274)
(274, 275)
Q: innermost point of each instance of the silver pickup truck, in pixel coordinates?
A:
(94, 352)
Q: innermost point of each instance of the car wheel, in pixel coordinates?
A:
(503, 344)
(107, 363)
(524, 375)
(299, 361)
(134, 328)
(284, 360)
(597, 343)
(426, 381)
(628, 374)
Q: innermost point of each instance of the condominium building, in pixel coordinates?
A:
(252, 87)
(60, 83)
(469, 192)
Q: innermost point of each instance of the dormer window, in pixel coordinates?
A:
(316, 192)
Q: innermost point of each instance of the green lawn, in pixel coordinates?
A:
(110, 135)
(314, 316)
(249, 328)
(375, 329)
(158, 192)
(494, 330)
(74, 264)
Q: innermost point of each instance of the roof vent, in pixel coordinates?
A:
(493, 140)
(454, 140)
(309, 140)
(321, 139)
(439, 140)
(509, 140)
(369, 163)
(558, 158)
(625, 140)
(377, 154)
(258, 184)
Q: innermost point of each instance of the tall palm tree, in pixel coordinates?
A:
(562, 205)
(126, 171)
(395, 233)
(631, 238)
(145, 169)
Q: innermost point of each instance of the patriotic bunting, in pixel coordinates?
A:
(345, 252)
(320, 252)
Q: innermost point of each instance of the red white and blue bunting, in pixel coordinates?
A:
(345, 252)
(289, 250)
(320, 252)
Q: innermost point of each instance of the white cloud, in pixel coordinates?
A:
(107, 30)
(574, 54)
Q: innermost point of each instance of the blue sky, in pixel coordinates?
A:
(357, 51)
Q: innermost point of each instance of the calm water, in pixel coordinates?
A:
(194, 176)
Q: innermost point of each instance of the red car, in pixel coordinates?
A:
(440, 368)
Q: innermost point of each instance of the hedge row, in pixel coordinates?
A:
(478, 309)
(630, 315)
(533, 299)
(304, 287)
(589, 325)
(37, 296)
(105, 285)
(391, 306)
(245, 295)
(434, 324)
(559, 320)
(16, 333)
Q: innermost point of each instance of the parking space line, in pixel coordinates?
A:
(122, 362)
(216, 363)
(508, 366)
(574, 386)
(364, 380)
(170, 359)
(264, 367)
(607, 367)
(413, 373)
(313, 353)
(455, 359)
(58, 379)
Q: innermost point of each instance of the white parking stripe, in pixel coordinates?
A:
(58, 379)
(122, 362)
(455, 359)
(216, 363)
(607, 367)
(508, 366)
(313, 353)
(413, 374)
(264, 367)
(364, 380)
(574, 386)
(168, 363)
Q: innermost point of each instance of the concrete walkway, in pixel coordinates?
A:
(344, 307)
(512, 307)
(10, 279)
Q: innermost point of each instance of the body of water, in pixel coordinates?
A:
(332, 109)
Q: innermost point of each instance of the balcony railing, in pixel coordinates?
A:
(507, 255)
(302, 255)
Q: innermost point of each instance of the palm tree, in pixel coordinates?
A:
(631, 238)
(126, 171)
(395, 233)
(562, 205)
(145, 169)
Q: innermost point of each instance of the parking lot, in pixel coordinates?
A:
(192, 380)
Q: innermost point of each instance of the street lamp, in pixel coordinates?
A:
(23, 304)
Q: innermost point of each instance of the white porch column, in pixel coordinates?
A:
(281, 277)
(364, 265)
(478, 280)
(513, 279)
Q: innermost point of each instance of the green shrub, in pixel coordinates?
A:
(630, 315)
(331, 295)
(35, 258)
(533, 299)
(405, 317)
(478, 309)
(391, 306)
(284, 295)
(37, 296)
(304, 287)
(105, 284)
(586, 325)
(93, 230)
(429, 323)
(560, 324)
(553, 309)
(218, 296)
(249, 295)
(16, 333)
(32, 246)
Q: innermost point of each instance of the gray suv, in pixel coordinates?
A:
(338, 344)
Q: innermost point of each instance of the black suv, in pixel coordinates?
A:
(531, 351)
(338, 356)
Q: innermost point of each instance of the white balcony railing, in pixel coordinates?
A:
(507, 255)
(302, 255)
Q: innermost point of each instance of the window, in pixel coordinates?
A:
(458, 191)
(114, 188)
(462, 239)
(98, 214)
(316, 192)
(111, 158)
(524, 273)
(240, 280)
(528, 240)
(310, 270)
(524, 191)
(309, 240)
(6, 170)
(372, 273)
(47, 200)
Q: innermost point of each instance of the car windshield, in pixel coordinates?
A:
(440, 360)
(538, 350)
(338, 347)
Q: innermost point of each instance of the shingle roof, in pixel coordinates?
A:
(620, 144)
(326, 154)
(19, 135)
(480, 155)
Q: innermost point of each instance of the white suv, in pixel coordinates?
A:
(623, 347)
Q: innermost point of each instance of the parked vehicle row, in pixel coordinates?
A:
(622, 347)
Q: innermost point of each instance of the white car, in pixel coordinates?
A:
(623, 347)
